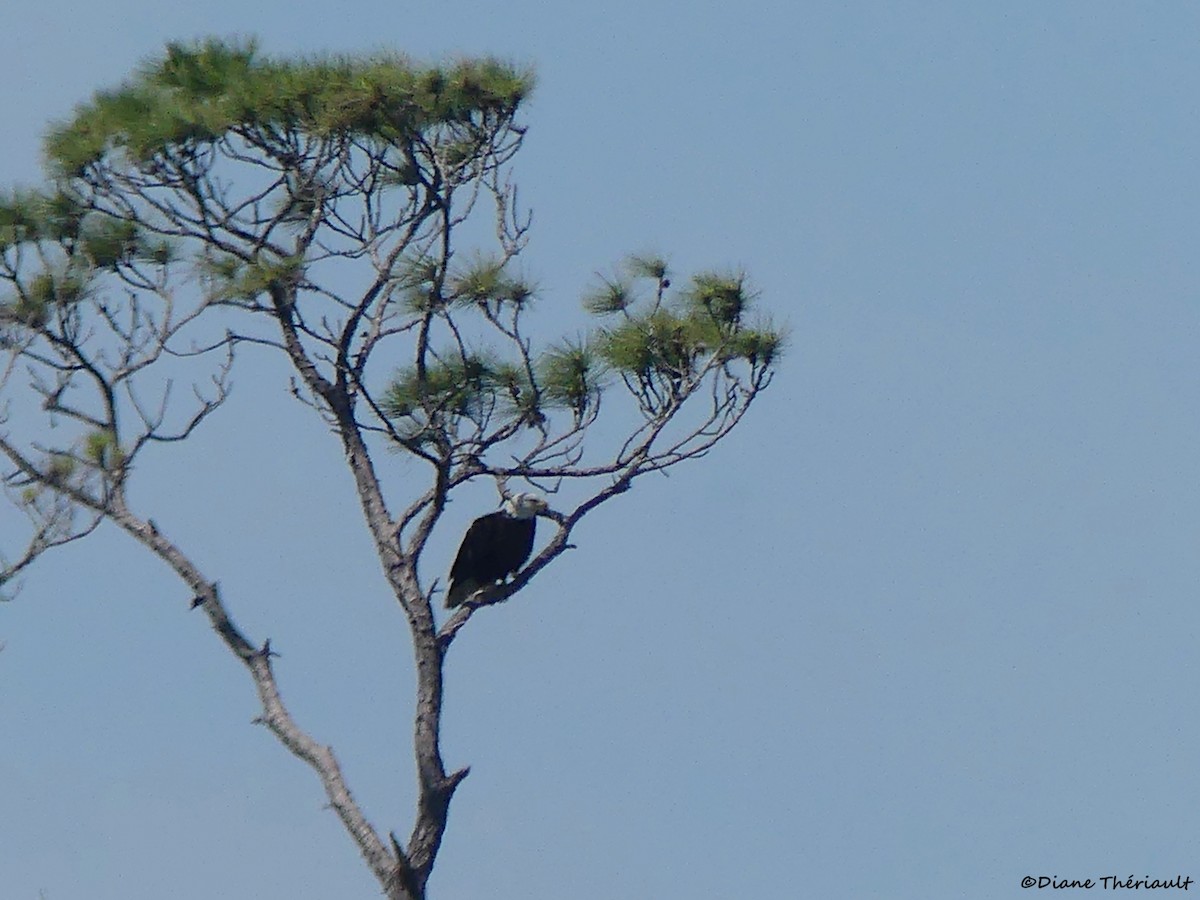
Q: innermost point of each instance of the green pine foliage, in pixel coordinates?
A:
(419, 286)
(477, 386)
(483, 283)
(92, 238)
(60, 468)
(199, 93)
(60, 217)
(110, 242)
(54, 289)
(486, 282)
(570, 376)
(101, 449)
(661, 344)
(758, 346)
(647, 266)
(459, 387)
(719, 298)
(612, 296)
(24, 310)
(518, 395)
(64, 246)
(232, 280)
(427, 127)
(28, 216)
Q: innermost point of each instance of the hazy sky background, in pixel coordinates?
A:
(925, 624)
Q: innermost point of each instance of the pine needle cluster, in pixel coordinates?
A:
(664, 342)
(198, 93)
(66, 246)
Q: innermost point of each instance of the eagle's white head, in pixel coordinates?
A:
(525, 506)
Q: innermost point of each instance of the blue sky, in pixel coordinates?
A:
(925, 624)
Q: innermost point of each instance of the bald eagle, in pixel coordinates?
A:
(494, 547)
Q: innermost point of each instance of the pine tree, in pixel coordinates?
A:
(321, 202)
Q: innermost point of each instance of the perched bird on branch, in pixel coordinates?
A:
(494, 547)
